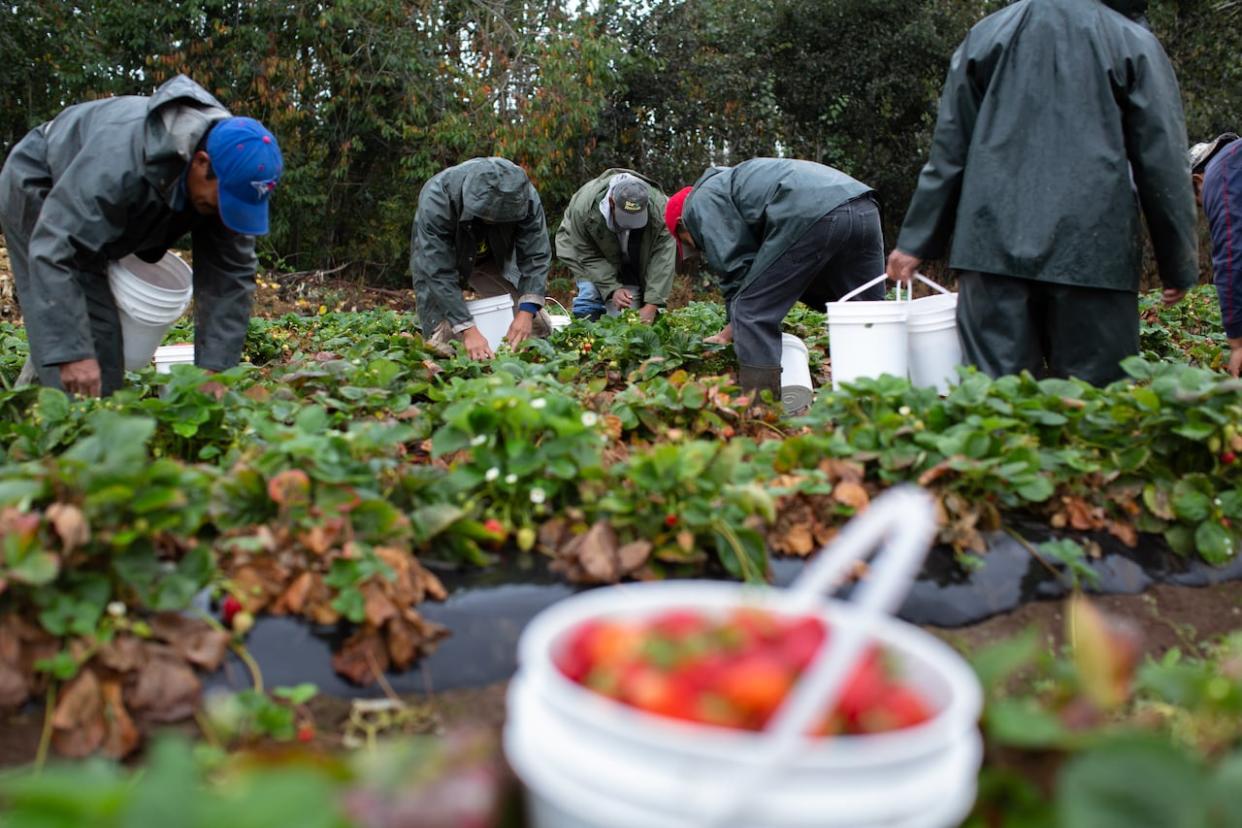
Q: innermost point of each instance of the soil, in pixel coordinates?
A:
(1168, 616)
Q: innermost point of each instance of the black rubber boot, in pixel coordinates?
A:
(756, 378)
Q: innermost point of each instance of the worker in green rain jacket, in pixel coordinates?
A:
(132, 175)
(1060, 128)
(613, 239)
(479, 227)
(776, 231)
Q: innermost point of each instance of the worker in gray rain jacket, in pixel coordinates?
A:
(614, 242)
(479, 227)
(1060, 122)
(776, 231)
(132, 175)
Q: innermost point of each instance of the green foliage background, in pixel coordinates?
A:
(372, 97)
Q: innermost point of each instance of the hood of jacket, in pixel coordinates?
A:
(495, 190)
(178, 115)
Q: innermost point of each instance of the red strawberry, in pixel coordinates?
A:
(862, 689)
(801, 641)
(679, 623)
(1228, 458)
(897, 707)
(670, 521)
(494, 527)
(756, 684)
(306, 733)
(229, 607)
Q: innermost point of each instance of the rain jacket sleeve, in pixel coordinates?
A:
(224, 268)
(83, 212)
(661, 267)
(1155, 132)
(534, 253)
(933, 210)
(433, 258)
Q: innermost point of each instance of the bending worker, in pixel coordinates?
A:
(1059, 121)
(479, 226)
(132, 175)
(614, 242)
(1216, 168)
(777, 231)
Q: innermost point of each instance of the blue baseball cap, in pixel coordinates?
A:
(246, 159)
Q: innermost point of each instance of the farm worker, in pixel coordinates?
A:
(1216, 168)
(479, 226)
(1058, 121)
(116, 176)
(776, 231)
(614, 242)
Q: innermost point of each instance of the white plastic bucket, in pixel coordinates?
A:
(149, 297)
(558, 320)
(591, 762)
(796, 385)
(167, 356)
(867, 339)
(492, 316)
(935, 350)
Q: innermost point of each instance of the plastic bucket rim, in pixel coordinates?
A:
(489, 303)
(544, 631)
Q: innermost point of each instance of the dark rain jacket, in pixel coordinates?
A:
(743, 218)
(481, 202)
(1059, 122)
(103, 180)
(1222, 203)
(592, 252)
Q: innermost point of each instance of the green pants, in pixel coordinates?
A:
(1008, 325)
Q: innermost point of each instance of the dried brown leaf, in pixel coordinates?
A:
(123, 653)
(70, 525)
(78, 720)
(294, 598)
(851, 494)
(633, 556)
(379, 607)
(166, 689)
(122, 736)
(361, 656)
(194, 640)
(14, 687)
(597, 554)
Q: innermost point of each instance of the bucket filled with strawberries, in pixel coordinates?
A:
(699, 703)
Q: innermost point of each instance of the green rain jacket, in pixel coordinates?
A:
(103, 180)
(743, 218)
(592, 252)
(1059, 122)
(481, 201)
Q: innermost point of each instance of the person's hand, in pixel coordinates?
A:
(648, 313)
(1171, 296)
(723, 338)
(519, 331)
(476, 344)
(622, 298)
(82, 377)
(1235, 357)
(213, 388)
(902, 266)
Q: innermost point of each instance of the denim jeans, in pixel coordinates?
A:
(588, 302)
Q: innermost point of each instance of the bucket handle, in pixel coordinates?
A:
(927, 282)
(558, 304)
(904, 520)
(847, 297)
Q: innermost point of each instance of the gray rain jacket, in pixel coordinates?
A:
(1059, 123)
(481, 201)
(743, 218)
(100, 181)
